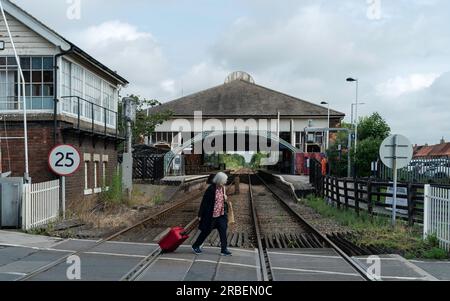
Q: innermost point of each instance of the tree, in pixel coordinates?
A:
(255, 162)
(145, 123)
(373, 127)
(372, 131)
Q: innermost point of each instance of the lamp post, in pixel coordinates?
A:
(355, 80)
(328, 130)
(353, 105)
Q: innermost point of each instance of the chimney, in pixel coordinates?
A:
(442, 140)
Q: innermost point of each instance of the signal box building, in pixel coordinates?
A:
(71, 98)
(240, 98)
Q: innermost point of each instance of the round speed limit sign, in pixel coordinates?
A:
(64, 160)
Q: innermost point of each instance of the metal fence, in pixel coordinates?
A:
(40, 204)
(425, 170)
(437, 214)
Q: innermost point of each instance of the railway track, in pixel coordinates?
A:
(273, 225)
(283, 228)
(153, 219)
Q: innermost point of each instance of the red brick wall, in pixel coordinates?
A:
(40, 143)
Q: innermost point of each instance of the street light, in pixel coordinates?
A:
(353, 105)
(328, 130)
(355, 80)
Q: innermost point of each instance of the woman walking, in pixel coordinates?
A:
(213, 214)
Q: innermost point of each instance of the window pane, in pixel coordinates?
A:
(2, 61)
(48, 63)
(48, 76)
(36, 103)
(12, 61)
(47, 103)
(37, 63)
(25, 62)
(47, 90)
(28, 99)
(28, 90)
(37, 90)
(27, 76)
(37, 76)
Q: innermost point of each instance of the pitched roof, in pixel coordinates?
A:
(55, 38)
(439, 150)
(242, 98)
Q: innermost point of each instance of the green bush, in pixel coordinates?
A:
(377, 231)
(115, 192)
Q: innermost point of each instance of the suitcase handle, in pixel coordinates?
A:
(190, 227)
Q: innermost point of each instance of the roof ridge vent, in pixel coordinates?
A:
(239, 75)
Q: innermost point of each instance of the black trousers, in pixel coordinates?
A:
(219, 223)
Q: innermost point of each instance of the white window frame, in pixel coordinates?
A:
(105, 160)
(87, 160)
(96, 160)
(114, 105)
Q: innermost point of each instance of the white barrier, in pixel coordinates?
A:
(40, 204)
(437, 214)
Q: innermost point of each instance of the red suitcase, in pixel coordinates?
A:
(173, 239)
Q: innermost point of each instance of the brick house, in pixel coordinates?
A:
(71, 99)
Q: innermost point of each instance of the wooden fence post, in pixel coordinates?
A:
(321, 186)
(411, 204)
(338, 197)
(369, 198)
(356, 188)
(346, 193)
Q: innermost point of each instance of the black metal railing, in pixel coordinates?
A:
(92, 113)
(433, 170)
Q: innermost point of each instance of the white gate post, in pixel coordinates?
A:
(63, 196)
(426, 210)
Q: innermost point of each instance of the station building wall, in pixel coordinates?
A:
(98, 162)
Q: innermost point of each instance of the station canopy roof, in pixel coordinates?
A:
(240, 97)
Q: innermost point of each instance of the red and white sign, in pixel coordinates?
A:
(64, 160)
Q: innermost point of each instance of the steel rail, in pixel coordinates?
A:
(261, 250)
(137, 272)
(355, 265)
(155, 216)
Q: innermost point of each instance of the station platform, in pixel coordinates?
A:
(178, 180)
(300, 184)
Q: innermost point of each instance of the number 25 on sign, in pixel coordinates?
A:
(64, 160)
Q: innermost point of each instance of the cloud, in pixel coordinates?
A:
(422, 115)
(135, 54)
(311, 40)
(304, 48)
(397, 86)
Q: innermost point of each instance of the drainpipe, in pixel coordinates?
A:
(55, 91)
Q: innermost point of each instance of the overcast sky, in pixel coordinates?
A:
(398, 49)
